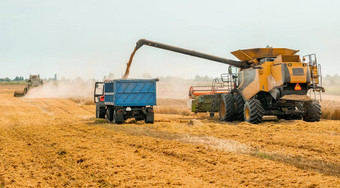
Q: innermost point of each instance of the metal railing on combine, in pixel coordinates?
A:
(223, 85)
(316, 87)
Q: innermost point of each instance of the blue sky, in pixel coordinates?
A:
(90, 39)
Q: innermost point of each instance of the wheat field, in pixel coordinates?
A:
(51, 142)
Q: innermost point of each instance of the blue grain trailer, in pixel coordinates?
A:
(128, 98)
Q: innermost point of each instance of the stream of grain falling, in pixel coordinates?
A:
(128, 65)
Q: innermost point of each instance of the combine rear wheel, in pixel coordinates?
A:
(239, 107)
(227, 110)
(313, 112)
(253, 111)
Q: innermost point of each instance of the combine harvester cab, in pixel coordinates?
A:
(127, 98)
(32, 82)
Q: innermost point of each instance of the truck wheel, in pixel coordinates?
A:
(226, 111)
(313, 111)
(102, 112)
(109, 114)
(97, 111)
(150, 116)
(239, 107)
(118, 117)
(253, 111)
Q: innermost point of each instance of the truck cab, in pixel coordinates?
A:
(99, 100)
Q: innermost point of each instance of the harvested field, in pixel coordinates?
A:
(58, 142)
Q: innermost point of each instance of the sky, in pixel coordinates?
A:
(92, 38)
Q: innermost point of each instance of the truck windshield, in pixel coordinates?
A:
(99, 89)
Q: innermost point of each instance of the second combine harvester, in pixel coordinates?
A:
(269, 81)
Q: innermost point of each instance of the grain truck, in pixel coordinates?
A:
(120, 99)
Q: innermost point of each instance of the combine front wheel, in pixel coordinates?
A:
(239, 106)
(226, 111)
(313, 111)
(253, 111)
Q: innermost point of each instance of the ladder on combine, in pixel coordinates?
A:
(316, 75)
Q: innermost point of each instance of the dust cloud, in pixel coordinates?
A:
(63, 89)
(176, 88)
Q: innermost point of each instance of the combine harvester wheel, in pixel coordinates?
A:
(253, 111)
(313, 111)
(226, 111)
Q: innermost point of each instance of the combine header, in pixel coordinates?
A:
(268, 81)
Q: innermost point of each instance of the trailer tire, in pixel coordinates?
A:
(109, 114)
(226, 111)
(239, 107)
(253, 111)
(118, 117)
(149, 116)
(313, 111)
(97, 110)
(100, 111)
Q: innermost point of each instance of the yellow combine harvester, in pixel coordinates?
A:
(268, 81)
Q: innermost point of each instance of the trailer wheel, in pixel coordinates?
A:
(253, 111)
(109, 114)
(149, 116)
(313, 111)
(118, 116)
(97, 110)
(226, 111)
(100, 111)
(239, 107)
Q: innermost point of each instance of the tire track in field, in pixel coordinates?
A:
(227, 145)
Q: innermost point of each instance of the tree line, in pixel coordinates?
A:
(16, 79)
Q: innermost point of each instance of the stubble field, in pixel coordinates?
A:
(58, 142)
